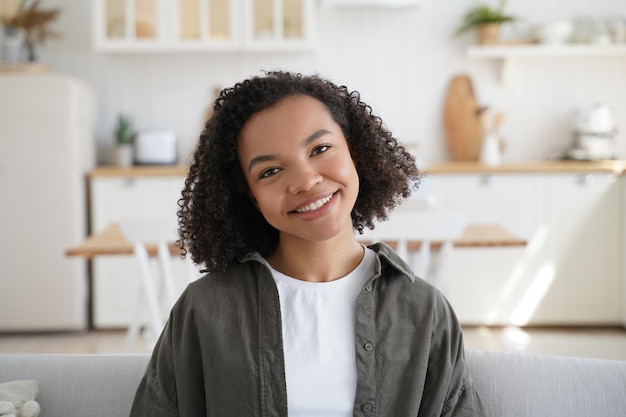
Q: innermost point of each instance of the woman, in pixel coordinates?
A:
(295, 317)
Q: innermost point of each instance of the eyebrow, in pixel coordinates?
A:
(306, 142)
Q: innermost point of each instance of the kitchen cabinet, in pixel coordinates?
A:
(202, 25)
(116, 279)
(582, 281)
(481, 283)
(570, 273)
(279, 24)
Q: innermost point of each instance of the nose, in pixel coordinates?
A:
(303, 178)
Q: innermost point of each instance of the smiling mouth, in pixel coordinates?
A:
(316, 205)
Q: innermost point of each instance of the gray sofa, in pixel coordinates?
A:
(511, 384)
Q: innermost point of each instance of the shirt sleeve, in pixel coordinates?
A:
(156, 393)
(149, 402)
(462, 399)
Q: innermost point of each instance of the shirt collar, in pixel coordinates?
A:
(384, 253)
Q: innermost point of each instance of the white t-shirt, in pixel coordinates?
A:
(318, 337)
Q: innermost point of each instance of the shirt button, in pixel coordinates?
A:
(368, 346)
(368, 288)
(368, 408)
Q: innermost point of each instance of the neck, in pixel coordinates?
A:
(317, 261)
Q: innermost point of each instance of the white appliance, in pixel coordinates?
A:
(594, 134)
(155, 147)
(46, 148)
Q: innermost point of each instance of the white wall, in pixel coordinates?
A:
(400, 61)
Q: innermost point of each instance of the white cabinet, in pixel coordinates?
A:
(570, 273)
(279, 24)
(507, 199)
(115, 279)
(582, 282)
(202, 25)
(482, 283)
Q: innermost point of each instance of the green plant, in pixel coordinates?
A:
(124, 132)
(483, 14)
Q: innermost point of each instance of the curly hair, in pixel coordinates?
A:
(218, 222)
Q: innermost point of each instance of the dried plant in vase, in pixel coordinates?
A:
(33, 21)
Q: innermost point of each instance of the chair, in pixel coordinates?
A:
(144, 233)
(424, 238)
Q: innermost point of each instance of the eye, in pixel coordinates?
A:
(266, 173)
(320, 149)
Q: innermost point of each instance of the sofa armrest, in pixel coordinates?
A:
(78, 385)
(516, 384)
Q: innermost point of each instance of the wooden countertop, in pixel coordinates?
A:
(111, 241)
(616, 167)
(531, 167)
(139, 171)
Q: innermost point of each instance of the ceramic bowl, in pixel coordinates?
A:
(556, 32)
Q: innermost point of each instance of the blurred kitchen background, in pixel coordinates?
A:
(553, 87)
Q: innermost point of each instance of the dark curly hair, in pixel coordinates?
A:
(218, 222)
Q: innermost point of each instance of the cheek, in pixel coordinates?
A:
(346, 170)
(263, 200)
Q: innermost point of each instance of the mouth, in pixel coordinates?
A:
(316, 205)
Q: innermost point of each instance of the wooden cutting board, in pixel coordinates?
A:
(461, 120)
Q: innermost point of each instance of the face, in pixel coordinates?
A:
(299, 170)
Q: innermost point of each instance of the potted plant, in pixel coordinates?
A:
(124, 135)
(31, 22)
(486, 20)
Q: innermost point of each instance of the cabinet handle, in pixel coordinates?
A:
(487, 179)
(130, 182)
(586, 179)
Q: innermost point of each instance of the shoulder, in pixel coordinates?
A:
(237, 284)
(397, 284)
(395, 272)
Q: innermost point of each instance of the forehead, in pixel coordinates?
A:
(292, 107)
(291, 116)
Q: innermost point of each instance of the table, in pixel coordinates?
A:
(111, 241)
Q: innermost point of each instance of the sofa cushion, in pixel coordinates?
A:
(510, 384)
(523, 384)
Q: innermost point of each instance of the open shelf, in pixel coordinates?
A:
(507, 54)
(537, 50)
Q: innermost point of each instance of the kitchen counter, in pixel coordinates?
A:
(531, 167)
(139, 171)
(617, 167)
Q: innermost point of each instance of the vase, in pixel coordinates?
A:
(488, 34)
(124, 156)
(31, 51)
(12, 46)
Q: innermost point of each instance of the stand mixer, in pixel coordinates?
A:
(594, 134)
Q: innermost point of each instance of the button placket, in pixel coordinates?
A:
(365, 399)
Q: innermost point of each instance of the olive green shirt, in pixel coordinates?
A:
(221, 352)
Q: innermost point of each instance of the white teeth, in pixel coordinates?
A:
(315, 205)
